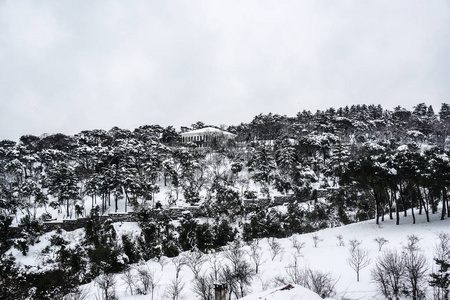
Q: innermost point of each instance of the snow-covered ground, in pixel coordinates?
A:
(328, 257)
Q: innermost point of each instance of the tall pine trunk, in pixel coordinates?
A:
(397, 213)
(444, 204)
(390, 202)
(126, 199)
(423, 204)
(402, 197)
(412, 210)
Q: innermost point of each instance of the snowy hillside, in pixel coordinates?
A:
(327, 257)
(140, 212)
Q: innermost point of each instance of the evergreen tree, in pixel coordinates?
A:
(62, 184)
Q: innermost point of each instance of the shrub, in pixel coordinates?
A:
(130, 249)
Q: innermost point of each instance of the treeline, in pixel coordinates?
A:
(281, 153)
(102, 164)
(273, 153)
(360, 122)
(374, 160)
(403, 179)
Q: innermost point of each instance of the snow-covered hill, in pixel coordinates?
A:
(327, 257)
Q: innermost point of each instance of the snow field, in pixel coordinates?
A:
(328, 256)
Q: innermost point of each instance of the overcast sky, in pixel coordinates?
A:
(67, 66)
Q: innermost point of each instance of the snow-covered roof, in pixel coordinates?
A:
(207, 131)
(291, 292)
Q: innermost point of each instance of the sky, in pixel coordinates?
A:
(68, 66)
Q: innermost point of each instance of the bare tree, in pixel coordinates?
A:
(389, 273)
(294, 273)
(297, 244)
(340, 239)
(442, 249)
(265, 282)
(153, 283)
(194, 260)
(107, 283)
(144, 276)
(256, 255)
(319, 282)
(238, 276)
(279, 280)
(228, 277)
(358, 259)
(415, 268)
(381, 241)
(216, 264)
(413, 243)
(234, 253)
(162, 262)
(316, 239)
(148, 279)
(203, 286)
(354, 244)
(178, 262)
(129, 280)
(174, 289)
(275, 248)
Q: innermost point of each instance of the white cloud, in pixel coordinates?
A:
(30, 30)
(97, 64)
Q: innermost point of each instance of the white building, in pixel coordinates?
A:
(203, 137)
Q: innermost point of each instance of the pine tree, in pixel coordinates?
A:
(441, 278)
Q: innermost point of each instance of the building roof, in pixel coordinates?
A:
(207, 131)
(291, 291)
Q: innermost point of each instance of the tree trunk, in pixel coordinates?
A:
(34, 209)
(377, 207)
(405, 211)
(446, 201)
(420, 207)
(390, 201)
(431, 200)
(425, 208)
(422, 203)
(397, 213)
(126, 200)
(444, 205)
(377, 213)
(419, 196)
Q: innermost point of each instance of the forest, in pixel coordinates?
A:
(328, 168)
